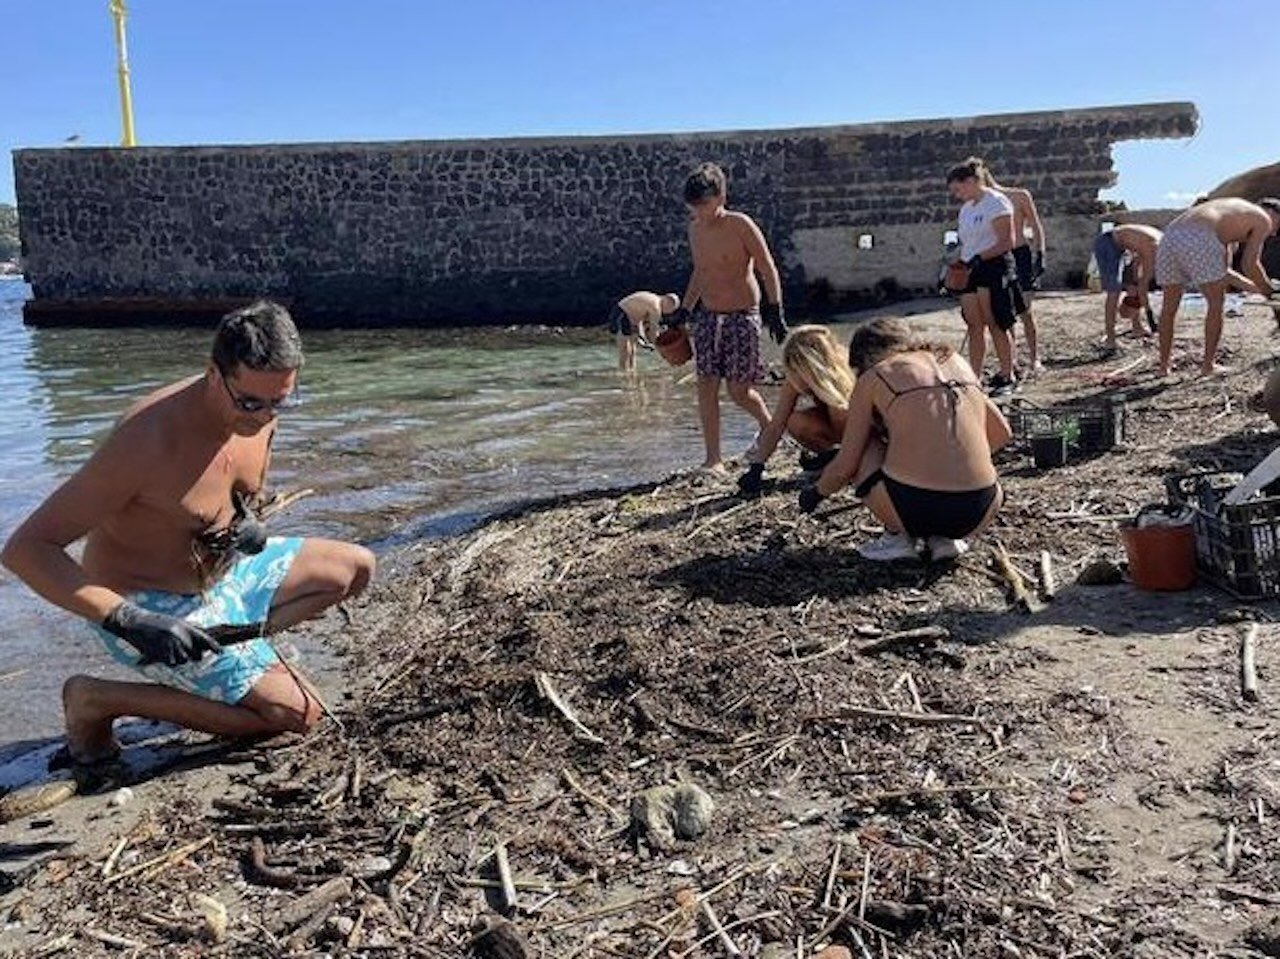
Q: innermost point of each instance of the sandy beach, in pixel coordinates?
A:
(900, 760)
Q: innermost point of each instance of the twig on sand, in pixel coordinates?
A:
(1248, 667)
(297, 912)
(508, 885)
(269, 875)
(1019, 594)
(1048, 587)
(922, 636)
(593, 799)
(713, 921)
(110, 939)
(162, 862)
(548, 691)
(848, 711)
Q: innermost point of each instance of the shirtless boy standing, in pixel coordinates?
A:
(728, 249)
(1194, 252)
(1137, 243)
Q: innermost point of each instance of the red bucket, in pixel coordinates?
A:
(1161, 558)
(673, 344)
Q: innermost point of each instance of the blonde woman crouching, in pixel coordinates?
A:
(817, 373)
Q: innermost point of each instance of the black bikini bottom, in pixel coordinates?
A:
(929, 512)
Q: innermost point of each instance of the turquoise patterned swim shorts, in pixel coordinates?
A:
(242, 597)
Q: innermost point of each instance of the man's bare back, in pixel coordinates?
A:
(1233, 220)
(722, 257)
(150, 540)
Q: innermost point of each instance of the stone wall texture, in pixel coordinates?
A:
(540, 230)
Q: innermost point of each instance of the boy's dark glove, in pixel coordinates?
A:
(1151, 320)
(751, 482)
(679, 318)
(248, 533)
(1039, 267)
(159, 638)
(774, 321)
(974, 262)
(810, 498)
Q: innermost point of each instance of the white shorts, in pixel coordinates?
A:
(1190, 255)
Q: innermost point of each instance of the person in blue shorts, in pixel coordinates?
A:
(178, 575)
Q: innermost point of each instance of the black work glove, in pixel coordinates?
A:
(750, 482)
(159, 638)
(774, 321)
(679, 318)
(974, 262)
(810, 498)
(1039, 267)
(248, 533)
(1151, 320)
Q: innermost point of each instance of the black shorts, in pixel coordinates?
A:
(927, 512)
(1025, 266)
(619, 322)
(1006, 294)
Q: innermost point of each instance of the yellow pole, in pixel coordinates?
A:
(122, 70)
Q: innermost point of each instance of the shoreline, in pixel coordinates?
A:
(523, 682)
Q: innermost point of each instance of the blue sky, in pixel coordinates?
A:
(252, 71)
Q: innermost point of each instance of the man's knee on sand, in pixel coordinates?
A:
(341, 571)
(284, 701)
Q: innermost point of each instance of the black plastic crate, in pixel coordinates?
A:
(1237, 547)
(1090, 427)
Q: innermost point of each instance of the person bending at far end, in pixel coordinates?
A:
(931, 482)
(1194, 252)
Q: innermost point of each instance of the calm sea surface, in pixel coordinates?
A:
(403, 434)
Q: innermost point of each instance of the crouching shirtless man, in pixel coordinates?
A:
(173, 555)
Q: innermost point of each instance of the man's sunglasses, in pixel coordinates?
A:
(252, 404)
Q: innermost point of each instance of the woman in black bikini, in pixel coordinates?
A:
(930, 480)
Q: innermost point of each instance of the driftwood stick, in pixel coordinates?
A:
(713, 921)
(1048, 588)
(593, 799)
(120, 942)
(868, 799)
(923, 636)
(831, 877)
(548, 691)
(163, 861)
(305, 907)
(846, 711)
(282, 501)
(268, 875)
(503, 868)
(1018, 593)
(1248, 664)
(1229, 851)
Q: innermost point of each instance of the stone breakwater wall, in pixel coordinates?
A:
(536, 230)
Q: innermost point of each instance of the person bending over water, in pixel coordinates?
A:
(634, 320)
(173, 555)
(931, 479)
(816, 372)
(728, 248)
